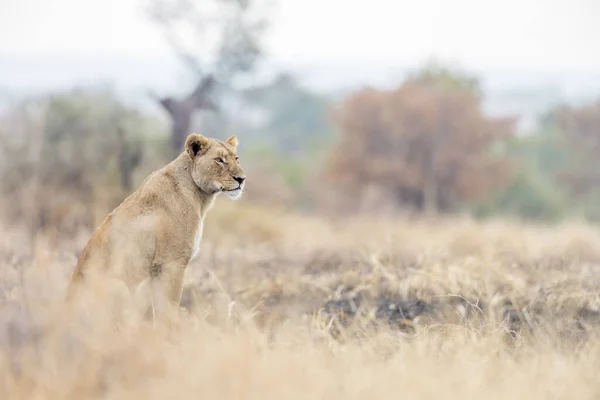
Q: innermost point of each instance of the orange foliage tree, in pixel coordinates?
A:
(427, 144)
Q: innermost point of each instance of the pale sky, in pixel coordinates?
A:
(524, 34)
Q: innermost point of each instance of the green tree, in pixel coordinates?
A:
(72, 148)
(296, 119)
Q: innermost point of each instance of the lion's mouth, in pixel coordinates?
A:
(235, 189)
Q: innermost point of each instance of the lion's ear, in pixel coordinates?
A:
(232, 141)
(196, 144)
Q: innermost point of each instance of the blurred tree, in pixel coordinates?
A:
(580, 128)
(529, 195)
(84, 131)
(218, 40)
(70, 150)
(533, 192)
(427, 143)
(295, 118)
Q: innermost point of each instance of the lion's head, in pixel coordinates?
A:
(215, 165)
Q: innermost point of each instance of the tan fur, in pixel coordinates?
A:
(148, 240)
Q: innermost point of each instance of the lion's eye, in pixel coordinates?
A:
(220, 160)
(236, 158)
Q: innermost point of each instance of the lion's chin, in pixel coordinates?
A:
(233, 194)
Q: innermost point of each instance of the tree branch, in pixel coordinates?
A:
(201, 96)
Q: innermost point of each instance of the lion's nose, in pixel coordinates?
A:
(239, 179)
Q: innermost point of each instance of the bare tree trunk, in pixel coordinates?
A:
(431, 185)
(181, 117)
(181, 111)
(430, 193)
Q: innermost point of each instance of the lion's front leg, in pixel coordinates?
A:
(162, 291)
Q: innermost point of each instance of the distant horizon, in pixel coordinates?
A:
(34, 67)
(542, 52)
(506, 91)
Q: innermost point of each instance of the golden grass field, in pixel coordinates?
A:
(286, 306)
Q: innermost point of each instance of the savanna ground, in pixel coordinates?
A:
(281, 305)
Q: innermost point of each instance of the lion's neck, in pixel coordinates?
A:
(180, 170)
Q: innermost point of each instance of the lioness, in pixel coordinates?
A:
(150, 238)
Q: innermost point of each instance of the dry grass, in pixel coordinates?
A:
(289, 306)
